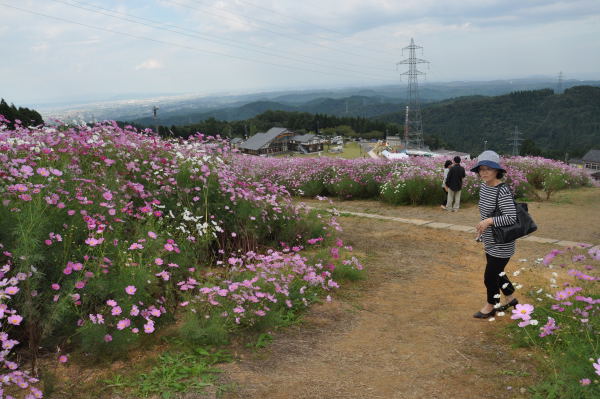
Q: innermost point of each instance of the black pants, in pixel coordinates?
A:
(494, 282)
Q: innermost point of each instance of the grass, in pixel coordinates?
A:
(172, 373)
(351, 150)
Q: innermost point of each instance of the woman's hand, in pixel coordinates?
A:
(482, 226)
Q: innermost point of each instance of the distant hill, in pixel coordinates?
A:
(549, 124)
(568, 122)
(187, 109)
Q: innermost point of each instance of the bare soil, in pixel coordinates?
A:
(407, 330)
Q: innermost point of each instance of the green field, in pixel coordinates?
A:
(352, 150)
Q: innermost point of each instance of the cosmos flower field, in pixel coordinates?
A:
(109, 235)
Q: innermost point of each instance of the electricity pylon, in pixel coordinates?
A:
(413, 125)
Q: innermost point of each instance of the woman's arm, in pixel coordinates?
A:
(506, 204)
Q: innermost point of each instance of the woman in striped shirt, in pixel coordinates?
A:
(489, 170)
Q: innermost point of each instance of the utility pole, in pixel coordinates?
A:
(413, 125)
(516, 139)
(154, 109)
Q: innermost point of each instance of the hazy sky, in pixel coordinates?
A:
(78, 49)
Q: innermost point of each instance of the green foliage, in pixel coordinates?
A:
(414, 191)
(201, 330)
(262, 341)
(348, 273)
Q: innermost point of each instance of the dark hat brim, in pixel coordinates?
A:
(490, 164)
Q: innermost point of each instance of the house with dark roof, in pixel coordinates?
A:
(236, 141)
(306, 143)
(275, 140)
(591, 160)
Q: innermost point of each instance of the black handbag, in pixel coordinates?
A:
(523, 226)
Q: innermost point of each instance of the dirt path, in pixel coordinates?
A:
(405, 332)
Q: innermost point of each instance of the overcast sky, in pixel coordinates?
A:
(86, 49)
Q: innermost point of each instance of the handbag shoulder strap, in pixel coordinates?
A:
(497, 207)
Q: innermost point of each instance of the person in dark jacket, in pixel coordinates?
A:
(454, 180)
(447, 165)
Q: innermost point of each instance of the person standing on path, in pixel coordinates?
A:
(454, 180)
(447, 165)
(497, 255)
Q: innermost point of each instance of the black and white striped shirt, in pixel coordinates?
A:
(506, 204)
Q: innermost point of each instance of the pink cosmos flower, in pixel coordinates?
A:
(158, 261)
(335, 253)
(152, 234)
(123, 324)
(548, 328)
(92, 242)
(55, 287)
(130, 289)
(597, 366)
(585, 381)
(116, 311)
(63, 358)
(43, 172)
(107, 338)
(107, 195)
(111, 303)
(522, 311)
(135, 245)
(134, 310)
(19, 187)
(14, 319)
(149, 327)
(12, 290)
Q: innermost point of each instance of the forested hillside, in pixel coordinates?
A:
(559, 124)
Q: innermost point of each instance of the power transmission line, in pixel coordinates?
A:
(304, 22)
(181, 31)
(177, 44)
(301, 40)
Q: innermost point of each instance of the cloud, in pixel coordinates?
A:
(149, 64)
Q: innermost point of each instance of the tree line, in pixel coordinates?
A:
(28, 117)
